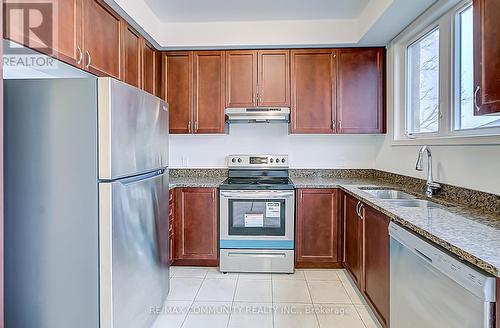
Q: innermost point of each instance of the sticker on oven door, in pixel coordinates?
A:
(254, 220)
(273, 209)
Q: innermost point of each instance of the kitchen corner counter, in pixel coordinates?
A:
(470, 235)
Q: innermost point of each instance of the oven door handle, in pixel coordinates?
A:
(266, 194)
(249, 254)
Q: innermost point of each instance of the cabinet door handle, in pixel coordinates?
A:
(360, 208)
(333, 125)
(195, 126)
(80, 55)
(189, 127)
(357, 208)
(89, 59)
(476, 92)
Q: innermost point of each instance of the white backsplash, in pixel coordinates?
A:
(305, 151)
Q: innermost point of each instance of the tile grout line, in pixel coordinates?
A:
(312, 302)
(359, 314)
(194, 299)
(232, 302)
(272, 299)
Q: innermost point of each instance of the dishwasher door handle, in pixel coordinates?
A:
(422, 255)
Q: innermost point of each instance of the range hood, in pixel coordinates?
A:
(258, 115)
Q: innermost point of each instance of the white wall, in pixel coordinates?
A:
(470, 166)
(305, 151)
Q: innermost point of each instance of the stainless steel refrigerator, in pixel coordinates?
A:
(86, 204)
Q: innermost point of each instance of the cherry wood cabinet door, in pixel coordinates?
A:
(313, 101)
(274, 78)
(178, 68)
(209, 91)
(360, 90)
(376, 262)
(241, 78)
(148, 67)
(131, 56)
(352, 239)
(196, 225)
(318, 243)
(101, 39)
(65, 43)
(159, 75)
(486, 56)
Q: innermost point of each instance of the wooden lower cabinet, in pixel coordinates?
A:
(375, 283)
(352, 239)
(171, 223)
(317, 236)
(196, 231)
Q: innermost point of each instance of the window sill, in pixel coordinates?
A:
(448, 140)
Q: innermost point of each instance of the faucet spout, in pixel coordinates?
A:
(431, 187)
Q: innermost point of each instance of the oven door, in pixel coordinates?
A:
(256, 218)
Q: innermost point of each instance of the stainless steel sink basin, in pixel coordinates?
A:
(415, 203)
(387, 193)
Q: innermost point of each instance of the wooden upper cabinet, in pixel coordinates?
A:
(196, 224)
(241, 78)
(149, 79)
(376, 262)
(131, 56)
(101, 39)
(273, 78)
(65, 43)
(178, 68)
(352, 239)
(487, 57)
(360, 90)
(313, 96)
(317, 229)
(209, 91)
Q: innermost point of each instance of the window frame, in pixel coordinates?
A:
(424, 33)
(444, 15)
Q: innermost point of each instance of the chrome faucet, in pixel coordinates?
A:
(431, 187)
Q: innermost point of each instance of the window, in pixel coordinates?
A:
(423, 84)
(465, 118)
(433, 78)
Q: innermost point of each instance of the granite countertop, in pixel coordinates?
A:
(196, 182)
(331, 182)
(471, 236)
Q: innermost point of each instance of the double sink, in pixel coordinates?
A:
(399, 198)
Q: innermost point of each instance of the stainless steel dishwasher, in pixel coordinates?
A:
(432, 288)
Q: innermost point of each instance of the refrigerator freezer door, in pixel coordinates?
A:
(133, 229)
(133, 130)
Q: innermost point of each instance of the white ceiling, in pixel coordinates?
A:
(256, 10)
(233, 24)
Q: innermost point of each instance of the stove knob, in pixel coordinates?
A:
(282, 160)
(272, 160)
(277, 160)
(239, 160)
(233, 160)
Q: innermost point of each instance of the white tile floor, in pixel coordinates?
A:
(205, 298)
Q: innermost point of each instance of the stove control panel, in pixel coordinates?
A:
(257, 161)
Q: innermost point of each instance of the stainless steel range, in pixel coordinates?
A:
(257, 204)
